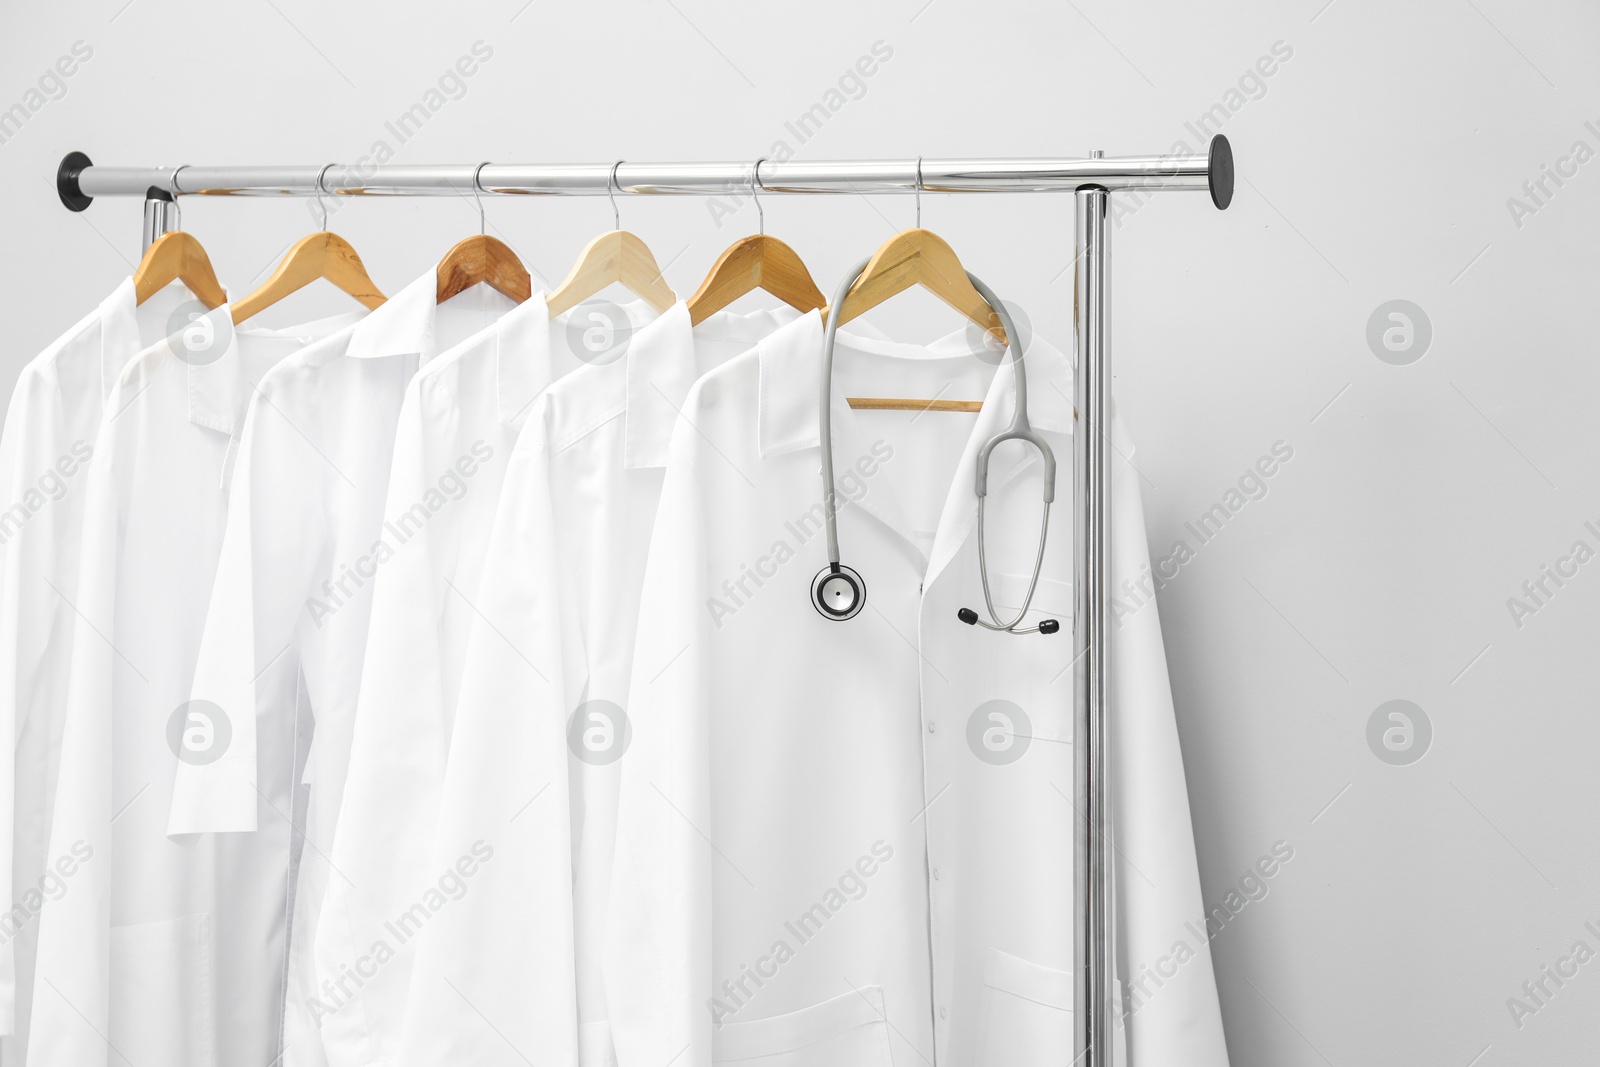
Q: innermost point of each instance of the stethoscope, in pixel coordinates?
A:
(838, 592)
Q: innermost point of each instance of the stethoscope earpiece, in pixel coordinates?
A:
(1046, 626)
(837, 592)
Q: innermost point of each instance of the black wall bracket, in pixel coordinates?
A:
(72, 167)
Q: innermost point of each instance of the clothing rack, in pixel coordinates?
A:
(1091, 179)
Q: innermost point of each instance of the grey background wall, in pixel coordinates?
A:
(1383, 159)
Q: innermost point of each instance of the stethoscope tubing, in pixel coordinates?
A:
(1020, 429)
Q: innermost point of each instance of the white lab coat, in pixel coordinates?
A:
(49, 438)
(159, 950)
(458, 425)
(850, 843)
(511, 969)
(287, 622)
(287, 628)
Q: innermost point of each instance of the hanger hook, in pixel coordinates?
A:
(755, 193)
(477, 195)
(919, 192)
(611, 191)
(172, 190)
(321, 203)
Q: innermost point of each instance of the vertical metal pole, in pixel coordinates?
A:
(160, 216)
(1092, 540)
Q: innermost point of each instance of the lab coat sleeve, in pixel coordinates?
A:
(1157, 876)
(383, 842)
(23, 630)
(261, 595)
(71, 1006)
(494, 982)
(658, 953)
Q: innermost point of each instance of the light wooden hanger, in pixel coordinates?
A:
(322, 255)
(756, 262)
(615, 257)
(482, 258)
(917, 257)
(177, 256)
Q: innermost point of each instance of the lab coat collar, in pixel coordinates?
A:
(214, 384)
(790, 386)
(790, 363)
(791, 368)
(667, 358)
(661, 369)
(522, 357)
(219, 388)
(403, 325)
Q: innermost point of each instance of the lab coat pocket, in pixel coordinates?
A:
(1052, 599)
(163, 992)
(1027, 1014)
(848, 1031)
(1051, 715)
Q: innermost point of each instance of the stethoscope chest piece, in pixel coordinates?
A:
(837, 592)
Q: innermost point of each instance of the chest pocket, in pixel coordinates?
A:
(1051, 599)
(848, 1031)
(1049, 703)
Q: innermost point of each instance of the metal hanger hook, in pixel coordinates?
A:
(611, 192)
(755, 192)
(919, 192)
(172, 189)
(477, 195)
(321, 203)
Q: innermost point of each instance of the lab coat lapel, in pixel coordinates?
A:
(1049, 409)
(661, 370)
(209, 351)
(522, 357)
(402, 326)
(791, 377)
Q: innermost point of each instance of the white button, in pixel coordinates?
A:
(943, 1014)
(936, 874)
(930, 727)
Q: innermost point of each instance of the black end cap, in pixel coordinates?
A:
(968, 616)
(1219, 164)
(72, 167)
(157, 193)
(1049, 626)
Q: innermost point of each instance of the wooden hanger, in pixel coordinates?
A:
(481, 258)
(322, 255)
(617, 256)
(177, 256)
(918, 257)
(756, 262)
